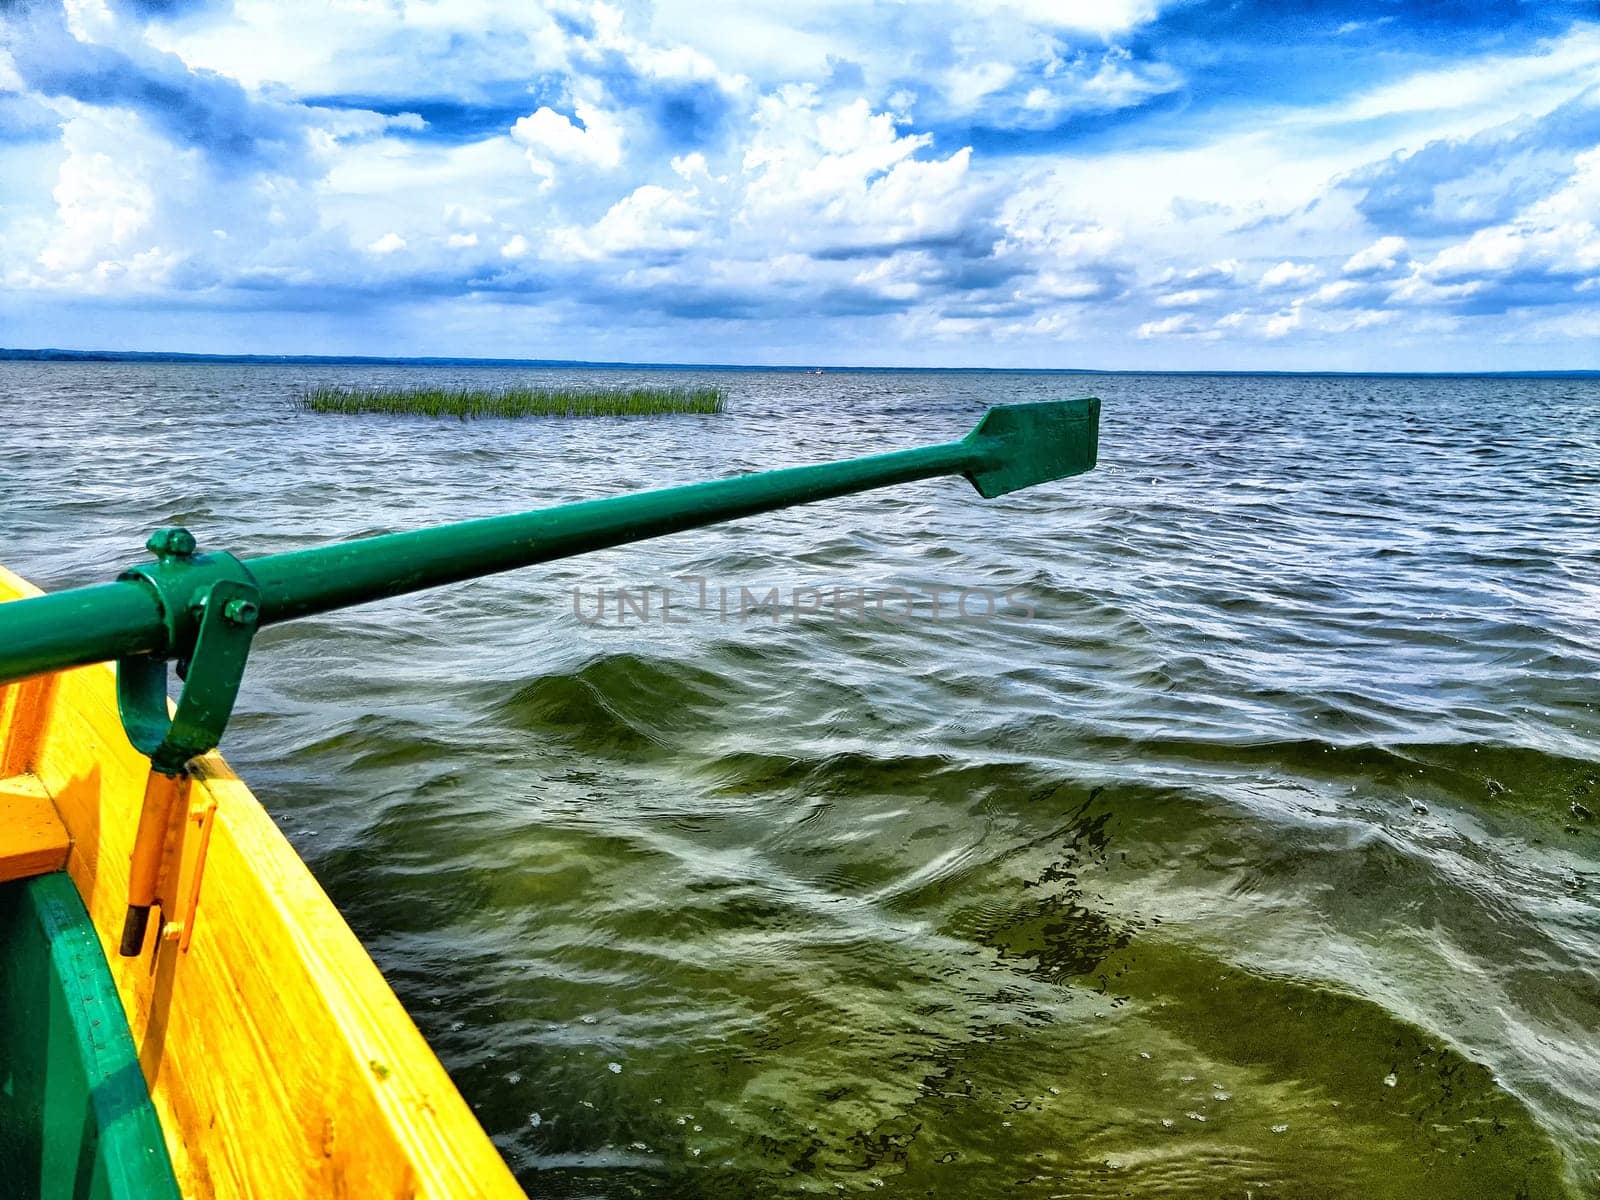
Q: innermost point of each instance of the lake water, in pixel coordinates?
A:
(1251, 848)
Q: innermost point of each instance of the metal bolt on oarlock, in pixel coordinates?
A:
(171, 542)
(241, 612)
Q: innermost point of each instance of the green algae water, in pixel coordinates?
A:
(1232, 830)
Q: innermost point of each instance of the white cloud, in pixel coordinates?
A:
(776, 41)
(1178, 323)
(387, 244)
(898, 278)
(1382, 255)
(1332, 293)
(90, 20)
(103, 204)
(314, 47)
(551, 138)
(650, 218)
(1117, 82)
(1284, 323)
(690, 166)
(824, 175)
(130, 214)
(1421, 292)
(1288, 274)
(1556, 236)
(1583, 325)
(10, 81)
(966, 85)
(1566, 63)
(1187, 299)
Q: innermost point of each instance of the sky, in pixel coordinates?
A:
(1130, 184)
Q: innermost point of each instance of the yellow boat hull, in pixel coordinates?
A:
(278, 1059)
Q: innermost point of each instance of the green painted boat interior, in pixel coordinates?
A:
(75, 1116)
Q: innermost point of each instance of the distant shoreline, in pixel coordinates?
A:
(341, 360)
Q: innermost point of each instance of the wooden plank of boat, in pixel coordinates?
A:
(278, 1060)
(33, 841)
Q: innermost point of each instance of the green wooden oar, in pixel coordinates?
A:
(202, 609)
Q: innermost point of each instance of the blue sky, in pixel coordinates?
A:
(1127, 184)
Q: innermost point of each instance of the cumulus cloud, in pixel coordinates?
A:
(1547, 255)
(1166, 326)
(1382, 256)
(845, 180)
(199, 110)
(1288, 274)
(1457, 184)
(594, 139)
(130, 214)
(1188, 298)
(649, 219)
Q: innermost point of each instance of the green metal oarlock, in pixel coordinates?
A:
(203, 609)
(210, 603)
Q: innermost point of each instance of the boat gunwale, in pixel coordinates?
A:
(275, 1005)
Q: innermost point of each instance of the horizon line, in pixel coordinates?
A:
(55, 354)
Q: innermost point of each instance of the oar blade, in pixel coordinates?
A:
(1027, 444)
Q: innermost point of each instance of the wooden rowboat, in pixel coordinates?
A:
(254, 1051)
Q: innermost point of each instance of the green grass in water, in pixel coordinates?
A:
(511, 401)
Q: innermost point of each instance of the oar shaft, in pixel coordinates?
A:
(77, 627)
(300, 583)
(124, 619)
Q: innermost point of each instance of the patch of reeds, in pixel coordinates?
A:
(465, 402)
